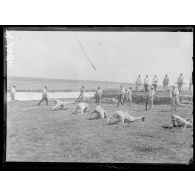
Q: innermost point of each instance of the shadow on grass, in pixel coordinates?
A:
(166, 127)
(75, 113)
(113, 123)
(139, 110)
(164, 111)
(59, 109)
(94, 118)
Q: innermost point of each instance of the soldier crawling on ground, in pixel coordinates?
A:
(124, 117)
(82, 108)
(178, 121)
(100, 113)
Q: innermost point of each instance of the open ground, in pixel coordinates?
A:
(37, 134)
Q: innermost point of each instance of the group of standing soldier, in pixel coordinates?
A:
(146, 83)
(138, 83)
(180, 82)
(98, 95)
(124, 94)
(127, 94)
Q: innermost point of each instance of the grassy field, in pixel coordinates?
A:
(37, 84)
(40, 135)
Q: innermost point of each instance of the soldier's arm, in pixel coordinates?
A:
(185, 126)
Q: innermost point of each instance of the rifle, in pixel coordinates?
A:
(85, 53)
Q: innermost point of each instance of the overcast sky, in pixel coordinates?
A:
(117, 56)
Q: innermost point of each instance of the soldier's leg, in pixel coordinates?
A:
(108, 119)
(172, 104)
(55, 107)
(179, 87)
(79, 98)
(119, 102)
(98, 100)
(147, 87)
(122, 120)
(150, 103)
(187, 125)
(41, 101)
(146, 103)
(123, 100)
(76, 110)
(139, 118)
(82, 98)
(101, 114)
(46, 100)
(85, 109)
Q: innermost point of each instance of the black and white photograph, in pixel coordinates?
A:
(99, 95)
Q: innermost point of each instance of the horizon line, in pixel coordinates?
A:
(67, 79)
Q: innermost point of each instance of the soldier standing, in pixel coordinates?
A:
(44, 96)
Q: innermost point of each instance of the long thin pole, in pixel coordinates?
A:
(85, 53)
